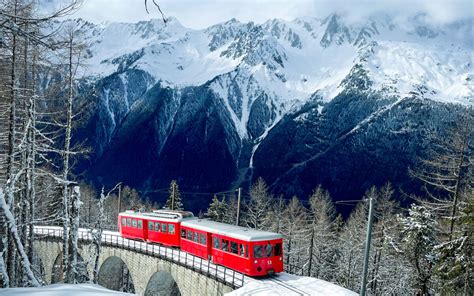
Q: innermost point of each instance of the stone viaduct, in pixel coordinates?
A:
(151, 272)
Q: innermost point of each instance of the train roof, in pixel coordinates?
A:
(163, 215)
(238, 232)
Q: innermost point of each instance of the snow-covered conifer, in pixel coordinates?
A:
(257, 208)
(295, 232)
(174, 201)
(217, 209)
(351, 248)
(322, 243)
(418, 238)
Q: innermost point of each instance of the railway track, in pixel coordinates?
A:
(274, 279)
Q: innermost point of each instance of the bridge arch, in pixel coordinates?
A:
(162, 283)
(115, 275)
(57, 269)
(144, 269)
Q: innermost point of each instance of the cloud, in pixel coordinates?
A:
(203, 13)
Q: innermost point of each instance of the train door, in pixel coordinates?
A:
(217, 254)
(209, 245)
(145, 229)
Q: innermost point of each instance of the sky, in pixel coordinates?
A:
(200, 14)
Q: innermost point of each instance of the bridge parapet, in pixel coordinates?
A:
(193, 275)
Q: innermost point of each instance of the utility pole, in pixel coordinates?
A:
(119, 197)
(367, 247)
(172, 195)
(237, 218)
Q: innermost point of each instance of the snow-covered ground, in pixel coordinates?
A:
(61, 290)
(288, 285)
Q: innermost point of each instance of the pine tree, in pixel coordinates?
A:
(351, 242)
(295, 234)
(455, 264)
(230, 215)
(418, 238)
(217, 209)
(275, 215)
(174, 200)
(322, 243)
(389, 272)
(257, 208)
(447, 171)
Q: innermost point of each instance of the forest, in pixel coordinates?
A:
(421, 244)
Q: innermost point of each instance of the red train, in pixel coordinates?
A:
(252, 252)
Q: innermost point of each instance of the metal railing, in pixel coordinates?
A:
(219, 273)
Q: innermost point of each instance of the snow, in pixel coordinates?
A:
(402, 58)
(399, 60)
(61, 290)
(288, 285)
(443, 70)
(260, 139)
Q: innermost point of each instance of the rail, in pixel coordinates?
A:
(219, 273)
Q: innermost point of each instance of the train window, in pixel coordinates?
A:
(163, 227)
(134, 223)
(171, 228)
(128, 221)
(183, 233)
(150, 225)
(196, 239)
(202, 239)
(244, 251)
(157, 226)
(258, 251)
(190, 235)
(278, 249)
(268, 250)
(124, 221)
(140, 224)
(234, 248)
(225, 245)
(217, 243)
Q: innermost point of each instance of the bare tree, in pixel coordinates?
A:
(448, 169)
(258, 206)
(322, 243)
(295, 233)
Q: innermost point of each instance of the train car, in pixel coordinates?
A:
(131, 225)
(252, 252)
(161, 226)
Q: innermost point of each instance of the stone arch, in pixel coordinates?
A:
(115, 275)
(57, 275)
(162, 283)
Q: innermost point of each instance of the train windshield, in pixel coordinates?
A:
(258, 251)
(268, 250)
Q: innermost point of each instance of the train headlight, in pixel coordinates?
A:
(280, 258)
(255, 262)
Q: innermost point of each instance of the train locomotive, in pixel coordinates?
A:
(252, 252)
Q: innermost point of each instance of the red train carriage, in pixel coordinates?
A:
(253, 252)
(160, 226)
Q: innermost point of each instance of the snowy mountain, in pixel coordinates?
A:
(342, 103)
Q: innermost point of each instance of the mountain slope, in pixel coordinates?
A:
(298, 102)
